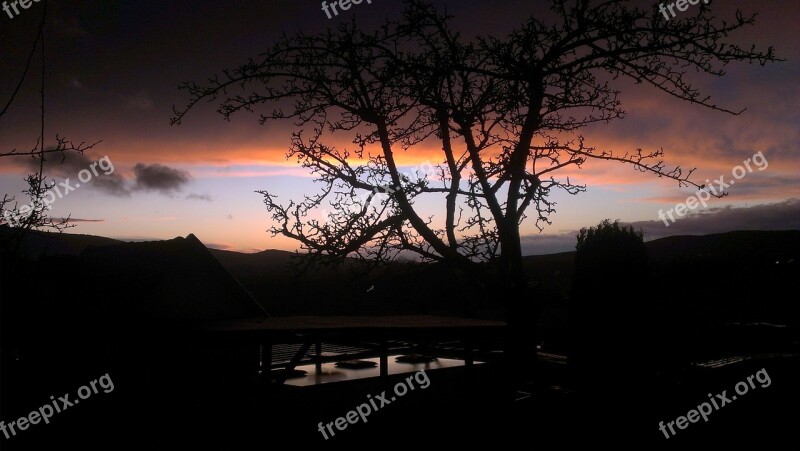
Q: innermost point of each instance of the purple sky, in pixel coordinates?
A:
(114, 68)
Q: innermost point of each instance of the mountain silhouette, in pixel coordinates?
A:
(175, 279)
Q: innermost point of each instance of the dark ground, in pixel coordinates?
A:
(61, 328)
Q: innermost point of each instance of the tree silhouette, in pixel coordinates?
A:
(611, 316)
(34, 216)
(505, 112)
(608, 298)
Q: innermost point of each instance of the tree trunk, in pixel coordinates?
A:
(522, 313)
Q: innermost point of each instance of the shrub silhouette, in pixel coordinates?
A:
(608, 305)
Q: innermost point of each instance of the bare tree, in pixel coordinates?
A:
(34, 215)
(506, 113)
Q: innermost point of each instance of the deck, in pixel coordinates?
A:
(372, 335)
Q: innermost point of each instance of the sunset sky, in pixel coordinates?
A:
(114, 67)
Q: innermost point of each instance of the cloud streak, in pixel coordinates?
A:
(783, 215)
(79, 220)
(204, 197)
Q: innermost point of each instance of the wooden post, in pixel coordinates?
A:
(266, 359)
(384, 359)
(318, 349)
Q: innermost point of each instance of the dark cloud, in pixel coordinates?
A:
(147, 177)
(777, 216)
(157, 177)
(69, 164)
(114, 185)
